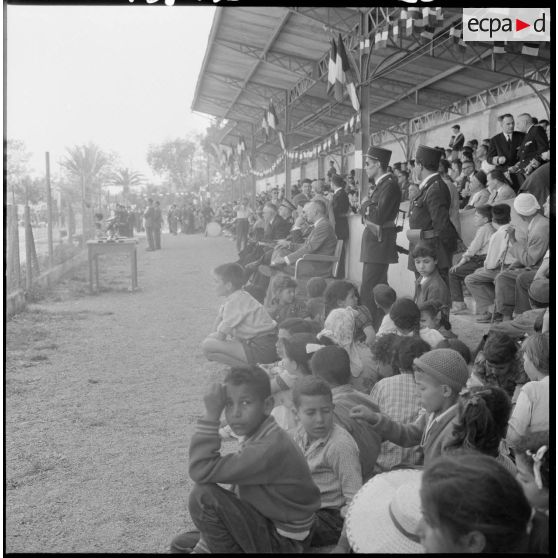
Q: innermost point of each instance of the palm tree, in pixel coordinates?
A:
(126, 178)
(88, 165)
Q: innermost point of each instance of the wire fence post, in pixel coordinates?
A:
(28, 253)
(49, 213)
(13, 271)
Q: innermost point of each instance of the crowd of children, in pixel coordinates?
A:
(326, 410)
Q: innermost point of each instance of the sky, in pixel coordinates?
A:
(121, 76)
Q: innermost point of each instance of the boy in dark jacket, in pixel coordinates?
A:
(272, 505)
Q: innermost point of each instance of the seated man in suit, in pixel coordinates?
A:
(321, 240)
(275, 226)
(502, 151)
(534, 144)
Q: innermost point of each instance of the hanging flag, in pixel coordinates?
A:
(336, 136)
(530, 49)
(339, 75)
(409, 25)
(379, 40)
(352, 124)
(439, 15)
(499, 47)
(332, 68)
(395, 30)
(265, 126)
(403, 17)
(281, 140)
(272, 119)
(428, 33)
(348, 77)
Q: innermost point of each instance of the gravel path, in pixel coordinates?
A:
(102, 392)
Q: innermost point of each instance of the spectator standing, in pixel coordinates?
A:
(457, 140)
(149, 220)
(341, 208)
(157, 224)
(243, 212)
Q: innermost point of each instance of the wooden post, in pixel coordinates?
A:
(28, 253)
(13, 271)
(287, 159)
(82, 211)
(49, 213)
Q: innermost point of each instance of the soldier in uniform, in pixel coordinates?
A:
(379, 213)
(429, 218)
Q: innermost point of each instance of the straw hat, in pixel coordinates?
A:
(385, 513)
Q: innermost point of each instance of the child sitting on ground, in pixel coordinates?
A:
(440, 375)
(384, 297)
(430, 285)
(496, 363)
(405, 315)
(398, 398)
(293, 367)
(332, 456)
(283, 303)
(273, 506)
(481, 423)
(433, 315)
(315, 305)
(384, 352)
(244, 331)
(339, 330)
(532, 409)
(343, 294)
(532, 457)
(472, 504)
(332, 365)
(473, 258)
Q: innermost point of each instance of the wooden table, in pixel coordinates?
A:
(95, 248)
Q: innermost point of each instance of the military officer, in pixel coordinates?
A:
(429, 219)
(379, 212)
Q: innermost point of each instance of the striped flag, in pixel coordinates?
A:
(403, 17)
(409, 25)
(332, 67)
(395, 30)
(380, 41)
(272, 119)
(348, 78)
(499, 47)
(439, 15)
(339, 75)
(281, 140)
(265, 125)
(530, 49)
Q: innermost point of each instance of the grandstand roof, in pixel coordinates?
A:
(255, 54)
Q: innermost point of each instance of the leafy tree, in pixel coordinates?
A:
(174, 161)
(126, 178)
(88, 167)
(17, 169)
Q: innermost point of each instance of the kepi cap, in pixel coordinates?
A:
(429, 156)
(380, 154)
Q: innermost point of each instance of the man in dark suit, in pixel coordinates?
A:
(502, 151)
(275, 226)
(429, 219)
(157, 224)
(457, 140)
(341, 208)
(379, 212)
(534, 144)
(321, 240)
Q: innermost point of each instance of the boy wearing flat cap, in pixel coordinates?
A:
(379, 213)
(429, 219)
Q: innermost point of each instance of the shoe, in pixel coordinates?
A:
(458, 308)
(185, 542)
(486, 318)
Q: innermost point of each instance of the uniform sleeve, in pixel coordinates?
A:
(344, 460)
(438, 208)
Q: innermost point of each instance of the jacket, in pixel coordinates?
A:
(322, 240)
(499, 147)
(430, 212)
(278, 228)
(381, 208)
(269, 472)
(341, 206)
(533, 145)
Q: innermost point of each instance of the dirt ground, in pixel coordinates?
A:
(102, 393)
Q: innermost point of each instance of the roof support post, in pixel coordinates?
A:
(287, 161)
(253, 159)
(362, 140)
